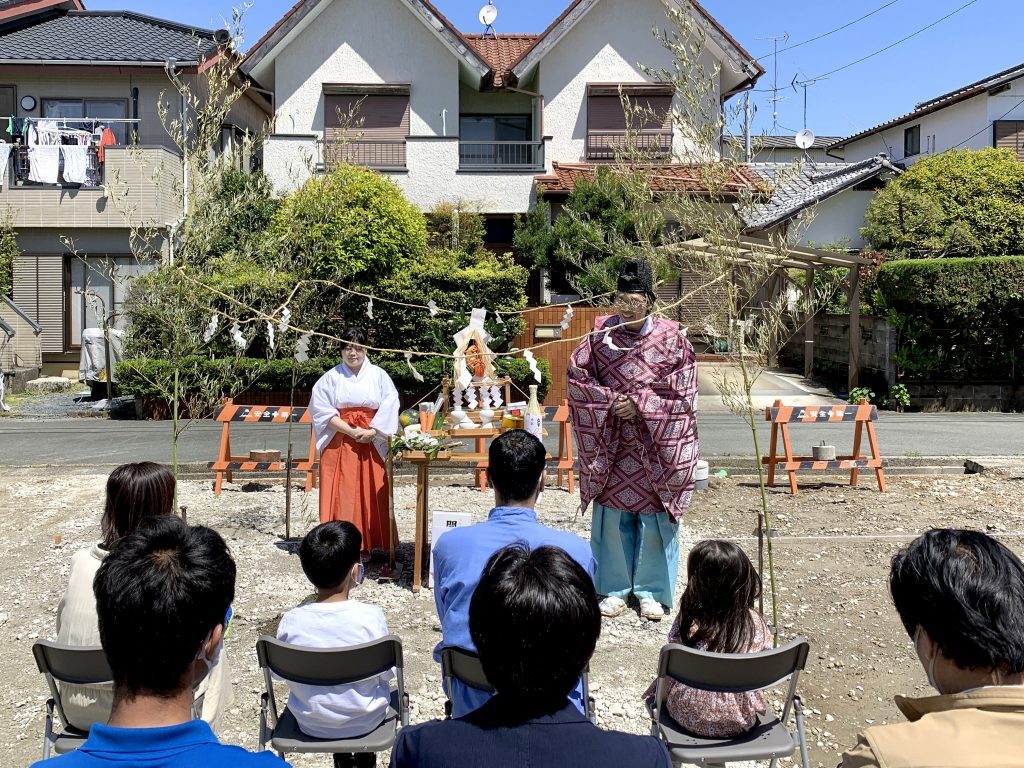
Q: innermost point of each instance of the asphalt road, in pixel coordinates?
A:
(102, 442)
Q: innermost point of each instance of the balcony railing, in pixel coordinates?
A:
(52, 170)
(608, 145)
(379, 155)
(501, 155)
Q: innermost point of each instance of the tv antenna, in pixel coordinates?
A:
(487, 16)
(804, 84)
(783, 38)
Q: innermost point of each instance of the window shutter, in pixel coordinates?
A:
(1009, 134)
(376, 117)
(605, 113)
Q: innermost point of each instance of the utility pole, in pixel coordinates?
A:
(746, 128)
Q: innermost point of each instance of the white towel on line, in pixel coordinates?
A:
(5, 153)
(43, 164)
(76, 163)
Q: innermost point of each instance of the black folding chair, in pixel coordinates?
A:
(68, 665)
(769, 739)
(329, 667)
(465, 666)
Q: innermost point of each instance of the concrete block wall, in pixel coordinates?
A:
(832, 343)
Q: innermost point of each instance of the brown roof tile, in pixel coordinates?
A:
(500, 51)
(672, 177)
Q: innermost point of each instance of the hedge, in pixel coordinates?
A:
(134, 376)
(959, 319)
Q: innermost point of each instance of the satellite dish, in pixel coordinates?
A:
(805, 139)
(488, 14)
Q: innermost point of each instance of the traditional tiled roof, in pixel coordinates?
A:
(783, 142)
(500, 51)
(671, 177)
(941, 102)
(111, 37)
(795, 189)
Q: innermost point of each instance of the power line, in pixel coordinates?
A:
(831, 31)
(898, 42)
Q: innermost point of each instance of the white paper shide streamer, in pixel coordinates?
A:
(415, 374)
(369, 309)
(237, 337)
(302, 349)
(496, 396)
(528, 356)
(211, 328)
(567, 317)
(286, 317)
(432, 306)
(270, 335)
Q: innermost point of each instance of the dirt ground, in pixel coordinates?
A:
(832, 549)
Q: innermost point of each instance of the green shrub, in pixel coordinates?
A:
(9, 251)
(861, 393)
(957, 319)
(958, 203)
(897, 398)
(352, 223)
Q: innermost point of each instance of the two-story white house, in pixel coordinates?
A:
(482, 118)
(986, 113)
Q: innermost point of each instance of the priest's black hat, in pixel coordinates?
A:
(636, 276)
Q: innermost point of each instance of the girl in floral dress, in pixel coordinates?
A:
(717, 609)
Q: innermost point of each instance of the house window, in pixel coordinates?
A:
(642, 124)
(1009, 134)
(92, 285)
(8, 106)
(84, 113)
(912, 141)
(366, 125)
(497, 141)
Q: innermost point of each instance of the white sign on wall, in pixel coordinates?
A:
(439, 523)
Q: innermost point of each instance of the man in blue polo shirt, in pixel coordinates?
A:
(515, 467)
(162, 596)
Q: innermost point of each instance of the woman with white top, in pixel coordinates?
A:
(354, 410)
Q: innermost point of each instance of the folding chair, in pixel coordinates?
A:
(733, 673)
(68, 664)
(329, 667)
(464, 666)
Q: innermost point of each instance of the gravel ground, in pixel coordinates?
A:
(832, 549)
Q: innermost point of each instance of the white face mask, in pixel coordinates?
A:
(201, 656)
(929, 668)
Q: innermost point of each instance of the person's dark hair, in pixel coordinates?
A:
(159, 594)
(329, 551)
(535, 620)
(515, 462)
(966, 590)
(354, 336)
(721, 587)
(135, 492)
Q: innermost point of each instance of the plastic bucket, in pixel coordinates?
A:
(700, 475)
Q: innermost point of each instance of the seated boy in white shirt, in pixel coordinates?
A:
(330, 559)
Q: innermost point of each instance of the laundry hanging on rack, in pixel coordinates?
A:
(76, 163)
(107, 139)
(43, 164)
(5, 153)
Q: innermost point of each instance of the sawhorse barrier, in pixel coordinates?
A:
(226, 464)
(862, 415)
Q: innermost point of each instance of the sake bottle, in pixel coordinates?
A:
(534, 421)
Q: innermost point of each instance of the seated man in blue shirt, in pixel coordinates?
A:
(516, 463)
(535, 621)
(162, 596)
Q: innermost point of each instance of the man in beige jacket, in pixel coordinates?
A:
(960, 595)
